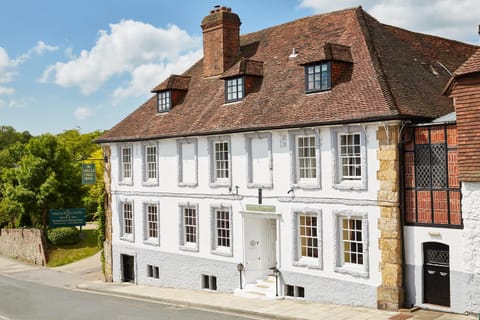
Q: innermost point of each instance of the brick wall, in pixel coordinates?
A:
(437, 204)
(221, 41)
(24, 244)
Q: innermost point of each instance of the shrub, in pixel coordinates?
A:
(64, 235)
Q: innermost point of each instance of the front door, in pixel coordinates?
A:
(128, 268)
(259, 249)
(436, 274)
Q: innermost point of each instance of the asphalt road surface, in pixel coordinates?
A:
(30, 300)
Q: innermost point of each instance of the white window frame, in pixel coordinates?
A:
(184, 244)
(147, 238)
(340, 182)
(217, 249)
(358, 270)
(296, 181)
(125, 179)
(214, 180)
(304, 261)
(248, 141)
(147, 181)
(180, 143)
(123, 234)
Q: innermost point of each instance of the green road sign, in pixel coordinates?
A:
(89, 174)
(67, 217)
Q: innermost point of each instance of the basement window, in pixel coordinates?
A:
(209, 282)
(234, 89)
(152, 271)
(318, 77)
(294, 291)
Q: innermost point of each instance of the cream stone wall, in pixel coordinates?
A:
(390, 293)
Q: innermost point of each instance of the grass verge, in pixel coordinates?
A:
(65, 254)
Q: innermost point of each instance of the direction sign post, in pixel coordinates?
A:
(70, 217)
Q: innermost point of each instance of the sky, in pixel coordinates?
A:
(88, 64)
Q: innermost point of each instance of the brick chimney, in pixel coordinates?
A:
(221, 40)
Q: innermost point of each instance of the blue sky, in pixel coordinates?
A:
(88, 64)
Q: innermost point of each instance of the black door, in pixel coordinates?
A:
(128, 265)
(436, 274)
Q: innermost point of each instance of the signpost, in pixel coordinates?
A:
(89, 174)
(70, 217)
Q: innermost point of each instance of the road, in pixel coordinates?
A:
(31, 300)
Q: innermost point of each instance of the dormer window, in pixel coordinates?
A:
(164, 101)
(317, 76)
(234, 89)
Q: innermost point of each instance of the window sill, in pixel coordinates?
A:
(308, 263)
(224, 252)
(152, 242)
(188, 184)
(152, 183)
(220, 184)
(349, 185)
(189, 247)
(126, 183)
(356, 272)
(128, 238)
(306, 185)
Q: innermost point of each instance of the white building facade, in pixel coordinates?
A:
(186, 213)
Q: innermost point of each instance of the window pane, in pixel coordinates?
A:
(234, 89)
(318, 77)
(308, 236)
(352, 240)
(306, 157)
(350, 156)
(221, 162)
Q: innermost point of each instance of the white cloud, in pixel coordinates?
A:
(6, 91)
(8, 66)
(130, 48)
(453, 19)
(147, 76)
(83, 113)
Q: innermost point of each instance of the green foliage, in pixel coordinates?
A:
(9, 136)
(101, 221)
(42, 173)
(63, 236)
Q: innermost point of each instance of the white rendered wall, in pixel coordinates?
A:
(327, 199)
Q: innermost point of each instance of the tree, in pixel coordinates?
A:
(9, 136)
(45, 177)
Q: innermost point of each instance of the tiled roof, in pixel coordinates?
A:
(470, 66)
(173, 82)
(395, 74)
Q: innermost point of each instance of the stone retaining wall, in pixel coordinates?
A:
(24, 244)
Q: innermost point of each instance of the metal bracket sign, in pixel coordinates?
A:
(67, 217)
(89, 174)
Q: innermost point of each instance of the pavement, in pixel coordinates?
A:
(86, 275)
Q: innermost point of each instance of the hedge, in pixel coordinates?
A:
(64, 235)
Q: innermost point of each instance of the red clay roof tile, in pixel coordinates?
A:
(395, 73)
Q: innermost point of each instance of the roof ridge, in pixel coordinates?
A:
(302, 18)
(376, 62)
